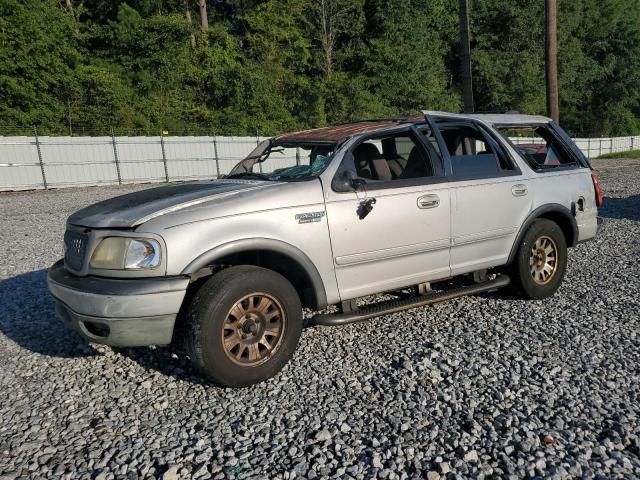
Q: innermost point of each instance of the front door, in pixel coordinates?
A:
(404, 239)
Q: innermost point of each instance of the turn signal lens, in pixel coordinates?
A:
(142, 254)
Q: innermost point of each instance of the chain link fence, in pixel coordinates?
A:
(40, 162)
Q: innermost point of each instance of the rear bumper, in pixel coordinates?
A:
(119, 312)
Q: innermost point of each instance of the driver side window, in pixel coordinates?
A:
(389, 158)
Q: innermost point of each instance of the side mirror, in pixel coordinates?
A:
(356, 183)
(346, 179)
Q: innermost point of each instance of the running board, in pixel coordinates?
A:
(393, 306)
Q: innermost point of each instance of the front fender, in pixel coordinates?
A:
(254, 244)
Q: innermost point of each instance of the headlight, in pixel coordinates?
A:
(122, 253)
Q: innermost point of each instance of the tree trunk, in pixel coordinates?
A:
(188, 15)
(326, 38)
(204, 19)
(331, 18)
(72, 11)
(465, 57)
(551, 53)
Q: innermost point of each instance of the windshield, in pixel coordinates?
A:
(273, 161)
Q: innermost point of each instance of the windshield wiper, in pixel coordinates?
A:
(259, 176)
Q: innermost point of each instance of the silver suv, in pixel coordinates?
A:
(430, 208)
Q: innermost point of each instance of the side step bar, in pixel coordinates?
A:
(393, 306)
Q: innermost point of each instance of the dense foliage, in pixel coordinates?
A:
(143, 66)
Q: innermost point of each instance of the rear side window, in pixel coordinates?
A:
(538, 146)
(474, 154)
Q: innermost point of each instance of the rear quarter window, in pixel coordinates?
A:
(539, 146)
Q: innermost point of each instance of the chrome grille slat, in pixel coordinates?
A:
(76, 247)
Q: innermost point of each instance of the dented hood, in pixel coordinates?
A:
(136, 208)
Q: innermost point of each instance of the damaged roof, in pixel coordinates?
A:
(336, 133)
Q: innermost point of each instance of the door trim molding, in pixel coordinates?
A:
(388, 253)
(482, 236)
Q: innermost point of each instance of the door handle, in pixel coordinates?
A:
(428, 201)
(519, 190)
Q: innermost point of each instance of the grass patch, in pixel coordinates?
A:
(629, 154)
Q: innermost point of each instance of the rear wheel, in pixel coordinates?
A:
(243, 325)
(541, 260)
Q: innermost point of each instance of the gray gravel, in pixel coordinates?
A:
(480, 386)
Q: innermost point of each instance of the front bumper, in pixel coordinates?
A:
(119, 312)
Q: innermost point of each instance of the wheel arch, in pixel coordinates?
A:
(276, 255)
(555, 212)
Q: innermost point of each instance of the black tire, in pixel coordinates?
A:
(542, 234)
(211, 324)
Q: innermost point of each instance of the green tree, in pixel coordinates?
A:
(403, 59)
(508, 55)
(98, 100)
(600, 67)
(38, 55)
(278, 53)
(275, 65)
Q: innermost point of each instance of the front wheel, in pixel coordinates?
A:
(243, 325)
(541, 260)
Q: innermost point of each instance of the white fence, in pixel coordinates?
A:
(53, 162)
(28, 163)
(593, 147)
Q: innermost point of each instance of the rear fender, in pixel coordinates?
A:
(556, 212)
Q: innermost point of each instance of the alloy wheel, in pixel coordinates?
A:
(543, 260)
(254, 329)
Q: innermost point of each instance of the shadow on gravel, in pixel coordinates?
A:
(27, 317)
(621, 208)
(169, 361)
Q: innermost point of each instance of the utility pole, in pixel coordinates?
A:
(551, 54)
(465, 56)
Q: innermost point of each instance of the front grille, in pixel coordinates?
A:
(75, 248)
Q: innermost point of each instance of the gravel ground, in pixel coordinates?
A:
(475, 387)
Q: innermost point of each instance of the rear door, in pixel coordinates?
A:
(404, 239)
(490, 196)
